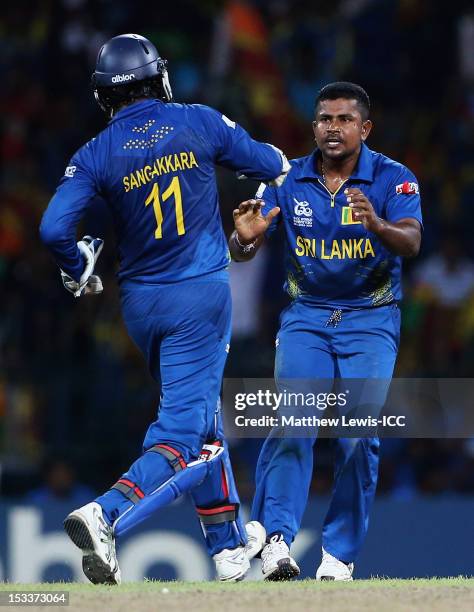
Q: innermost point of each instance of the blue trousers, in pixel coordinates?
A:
(183, 330)
(363, 344)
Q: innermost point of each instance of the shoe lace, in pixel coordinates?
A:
(275, 548)
(106, 536)
(105, 531)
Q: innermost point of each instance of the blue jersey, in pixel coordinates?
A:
(154, 166)
(331, 259)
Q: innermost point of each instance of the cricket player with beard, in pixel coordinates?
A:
(348, 215)
(154, 165)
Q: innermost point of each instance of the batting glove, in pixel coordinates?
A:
(89, 283)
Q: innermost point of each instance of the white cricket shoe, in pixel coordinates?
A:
(333, 569)
(276, 561)
(231, 564)
(89, 531)
(256, 536)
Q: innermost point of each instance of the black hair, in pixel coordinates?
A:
(347, 91)
(114, 98)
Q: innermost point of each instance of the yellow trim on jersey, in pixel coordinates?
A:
(332, 194)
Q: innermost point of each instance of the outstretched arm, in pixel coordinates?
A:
(235, 149)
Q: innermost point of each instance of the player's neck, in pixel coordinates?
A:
(129, 103)
(335, 170)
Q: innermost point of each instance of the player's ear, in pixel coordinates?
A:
(366, 127)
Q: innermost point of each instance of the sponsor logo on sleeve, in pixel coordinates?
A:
(407, 188)
(70, 171)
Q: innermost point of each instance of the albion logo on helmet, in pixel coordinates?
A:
(122, 78)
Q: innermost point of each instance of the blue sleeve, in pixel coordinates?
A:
(403, 197)
(269, 196)
(235, 149)
(58, 227)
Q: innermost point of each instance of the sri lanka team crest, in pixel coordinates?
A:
(407, 188)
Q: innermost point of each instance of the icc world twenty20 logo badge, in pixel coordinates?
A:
(303, 214)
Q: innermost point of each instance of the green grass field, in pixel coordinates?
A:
(434, 595)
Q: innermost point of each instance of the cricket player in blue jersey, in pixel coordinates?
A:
(349, 215)
(154, 165)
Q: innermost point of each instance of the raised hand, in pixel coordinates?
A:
(363, 210)
(249, 222)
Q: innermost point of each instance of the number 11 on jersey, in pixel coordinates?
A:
(173, 189)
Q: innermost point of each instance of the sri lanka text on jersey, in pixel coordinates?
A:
(346, 248)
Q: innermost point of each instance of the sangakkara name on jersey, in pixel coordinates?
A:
(162, 165)
(346, 248)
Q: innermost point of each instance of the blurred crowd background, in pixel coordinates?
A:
(75, 397)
